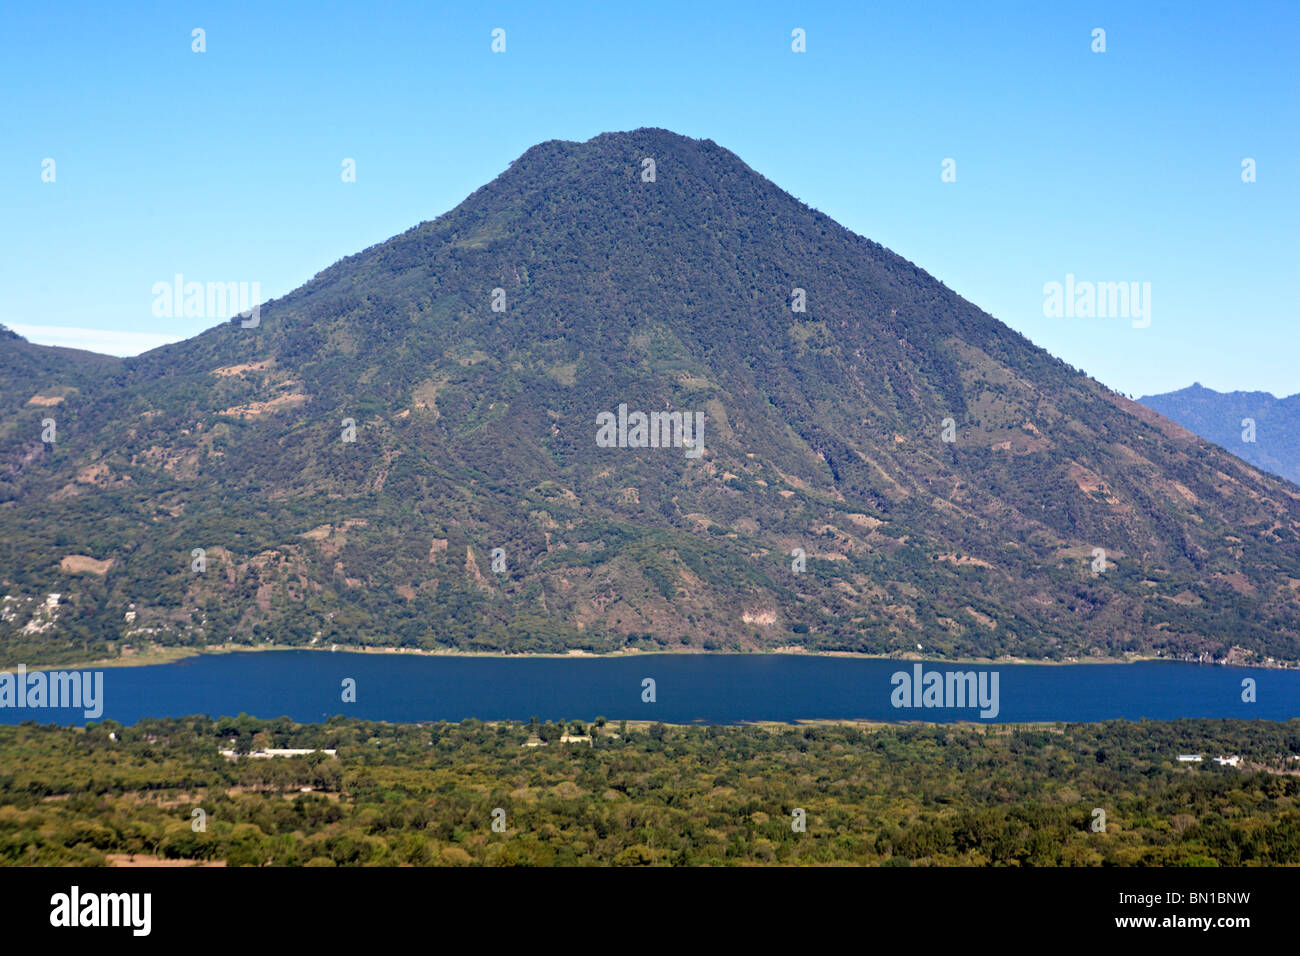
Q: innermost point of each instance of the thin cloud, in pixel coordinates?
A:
(104, 341)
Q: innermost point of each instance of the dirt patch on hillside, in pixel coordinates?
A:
(230, 370)
(964, 559)
(78, 563)
(254, 409)
(141, 859)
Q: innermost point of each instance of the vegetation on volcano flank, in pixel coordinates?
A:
(471, 357)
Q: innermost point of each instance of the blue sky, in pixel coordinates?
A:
(1115, 166)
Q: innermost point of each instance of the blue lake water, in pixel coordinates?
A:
(307, 686)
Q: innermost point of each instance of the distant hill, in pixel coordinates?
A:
(26, 369)
(1221, 417)
(826, 510)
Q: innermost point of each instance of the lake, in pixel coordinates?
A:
(723, 689)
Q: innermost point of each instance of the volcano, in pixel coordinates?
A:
(406, 451)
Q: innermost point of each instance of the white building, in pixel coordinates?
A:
(286, 752)
(291, 752)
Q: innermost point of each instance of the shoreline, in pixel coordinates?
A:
(168, 655)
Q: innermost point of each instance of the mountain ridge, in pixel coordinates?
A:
(1256, 426)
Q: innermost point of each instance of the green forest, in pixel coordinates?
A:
(650, 794)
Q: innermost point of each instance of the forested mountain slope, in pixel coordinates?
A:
(475, 429)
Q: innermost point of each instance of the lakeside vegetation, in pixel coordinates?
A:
(166, 655)
(645, 794)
